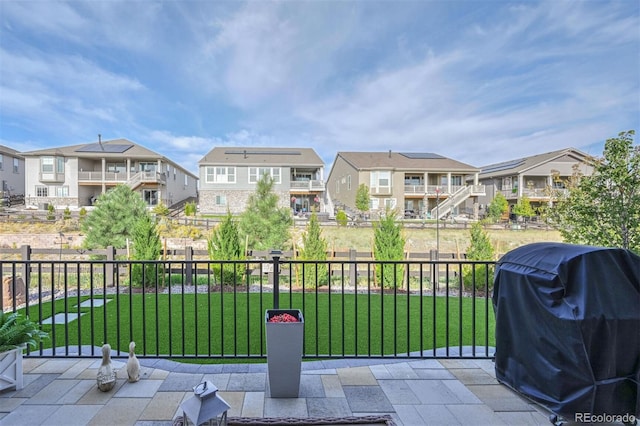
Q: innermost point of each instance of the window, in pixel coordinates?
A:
(186, 180)
(220, 175)
(117, 167)
(62, 191)
(221, 200)
(349, 183)
(1, 159)
(59, 165)
(148, 167)
(256, 173)
(390, 203)
(150, 196)
(42, 191)
(456, 180)
(46, 165)
(16, 164)
(381, 179)
(337, 186)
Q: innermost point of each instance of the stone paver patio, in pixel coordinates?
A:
(63, 391)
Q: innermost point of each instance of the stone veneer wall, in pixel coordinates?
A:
(236, 200)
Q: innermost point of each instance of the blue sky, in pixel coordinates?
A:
(477, 81)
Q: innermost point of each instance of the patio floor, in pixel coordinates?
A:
(63, 391)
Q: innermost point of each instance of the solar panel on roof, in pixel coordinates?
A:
(242, 152)
(422, 155)
(101, 147)
(502, 166)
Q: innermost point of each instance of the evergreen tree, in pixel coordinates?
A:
(389, 245)
(480, 248)
(603, 209)
(498, 206)
(265, 223)
(113, 219)
(146, 245)
(314, 248)
(224, 244)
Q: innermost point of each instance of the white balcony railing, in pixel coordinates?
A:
(307, 185)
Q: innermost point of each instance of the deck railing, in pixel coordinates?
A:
(209, 310)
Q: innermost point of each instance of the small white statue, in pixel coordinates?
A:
(133, 365)
(107, 375)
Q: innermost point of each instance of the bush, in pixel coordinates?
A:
(314, 247)
(389, 246)
(51, 212)
(67, 213)
(480, 248)
(342, 218)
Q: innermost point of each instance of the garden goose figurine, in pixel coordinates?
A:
(133, 365)
(107, 375)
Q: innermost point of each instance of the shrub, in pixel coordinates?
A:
(389, 245)
(224, 244)
(480, 248)
(314, 248)
(51, 212)
(190, 209)
(341, 218)
(146, 246)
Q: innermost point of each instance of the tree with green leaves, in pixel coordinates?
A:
(112, 221)
(603, 209)
(341, 218)
(388, 246)
(480, 248)
(264, 223)
(362, 198)
(497, 207)
(146, 245)
(224, 244)
(314, 247)
(523, 208)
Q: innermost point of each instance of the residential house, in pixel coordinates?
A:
(537, 177)
(228, 176)
(76, 175)
(11, 172)
(425, 184)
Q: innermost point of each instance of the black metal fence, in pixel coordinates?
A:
(206, 310)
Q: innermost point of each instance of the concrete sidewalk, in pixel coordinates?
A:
(63, 391)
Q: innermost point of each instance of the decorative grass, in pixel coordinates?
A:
(215, 325)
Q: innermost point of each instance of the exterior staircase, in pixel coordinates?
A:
(453, 201)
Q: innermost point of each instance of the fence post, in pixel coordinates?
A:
(353, 268)
(435, 266)
(25, 253)
(188, 258)
(275, 254)
(110, 267)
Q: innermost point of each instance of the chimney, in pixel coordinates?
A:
(100, 141)
(389, 153)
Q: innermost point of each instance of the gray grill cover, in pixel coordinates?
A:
(568, 327)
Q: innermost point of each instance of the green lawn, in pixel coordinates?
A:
(233, 324)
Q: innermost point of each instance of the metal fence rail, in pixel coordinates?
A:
(214, 310)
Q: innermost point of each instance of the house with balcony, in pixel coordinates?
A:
(426, 184)
(538, 177)
(228, 176)
(12, 174)
(76, 175)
